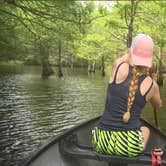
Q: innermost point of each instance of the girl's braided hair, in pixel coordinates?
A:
(137, 71)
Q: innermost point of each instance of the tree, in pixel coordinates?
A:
(132, 17)
(46, 21)
(68, 31)
(153, 18)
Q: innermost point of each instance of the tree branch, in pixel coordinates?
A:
(117, 37)
(126, 18)
(19, 19)
(40, 13)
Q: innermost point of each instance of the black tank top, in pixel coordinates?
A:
(116, 105)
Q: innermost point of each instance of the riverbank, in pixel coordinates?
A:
(11, 62)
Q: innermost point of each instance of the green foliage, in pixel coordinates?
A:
(86, 31)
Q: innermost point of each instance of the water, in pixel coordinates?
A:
(33, 110)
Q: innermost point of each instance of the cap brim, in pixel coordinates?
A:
(137, 60)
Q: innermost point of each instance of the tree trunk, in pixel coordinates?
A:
(131, 22)
(46, 68)
(60, 73)
(159, 70)
(72, 62)
(71, 65)
(94, 67)
(154, 68)
(89, 66)
(129, 36)
(102, 66)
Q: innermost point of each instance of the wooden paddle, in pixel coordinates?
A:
(156, 119)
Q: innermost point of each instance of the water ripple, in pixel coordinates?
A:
(33, 110)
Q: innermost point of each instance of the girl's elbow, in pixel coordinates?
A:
(159, 104)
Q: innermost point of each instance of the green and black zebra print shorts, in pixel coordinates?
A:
(123, 143)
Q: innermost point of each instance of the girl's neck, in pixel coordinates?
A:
(130, 61)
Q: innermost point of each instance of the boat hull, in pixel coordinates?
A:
(50, 155)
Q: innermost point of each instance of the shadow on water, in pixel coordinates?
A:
(33, 110)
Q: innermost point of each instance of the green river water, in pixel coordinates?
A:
(33, 110)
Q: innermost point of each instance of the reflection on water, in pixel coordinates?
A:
(33, 110)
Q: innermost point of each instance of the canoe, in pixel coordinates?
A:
(73, 148)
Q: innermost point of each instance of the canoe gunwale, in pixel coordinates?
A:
(45, 146)
(54, 140)
(154, 127)
(69, 146)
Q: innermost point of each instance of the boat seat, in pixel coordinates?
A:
(70, 146)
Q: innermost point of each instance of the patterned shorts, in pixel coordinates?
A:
(124, 143)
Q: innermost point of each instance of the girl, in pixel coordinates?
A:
(130, 87)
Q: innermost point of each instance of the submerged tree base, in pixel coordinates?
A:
(47, 71)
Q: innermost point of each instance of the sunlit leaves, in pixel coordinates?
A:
(86, 31)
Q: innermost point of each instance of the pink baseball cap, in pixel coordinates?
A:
(141, 50)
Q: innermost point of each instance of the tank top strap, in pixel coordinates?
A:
(116, 71)
(149, 89)
(140, 81)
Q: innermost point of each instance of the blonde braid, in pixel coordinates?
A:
(137, 71)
